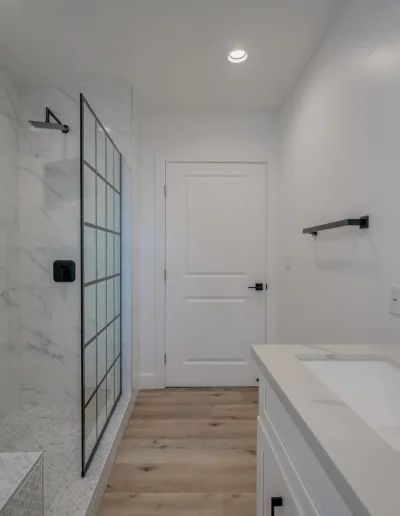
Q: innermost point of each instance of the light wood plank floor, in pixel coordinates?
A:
(187, 452)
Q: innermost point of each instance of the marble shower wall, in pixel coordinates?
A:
(39, 223)
(49, 229)
(9, 307)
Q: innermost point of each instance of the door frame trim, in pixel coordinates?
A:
(160, 170)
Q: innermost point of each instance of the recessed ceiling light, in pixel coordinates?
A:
(237, 56)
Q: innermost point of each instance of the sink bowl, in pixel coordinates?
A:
(369, 386)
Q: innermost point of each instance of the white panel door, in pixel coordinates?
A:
(215, 250)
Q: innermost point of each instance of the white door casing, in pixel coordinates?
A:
(215, 249)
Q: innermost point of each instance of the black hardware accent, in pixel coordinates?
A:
(258, 286)
(51, 114)
(64, 271)
(47, 124)
(276, 501)
(362, 223)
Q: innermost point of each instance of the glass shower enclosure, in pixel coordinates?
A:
(101, 360)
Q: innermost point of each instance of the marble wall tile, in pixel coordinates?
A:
(49, 230)
(9, 303)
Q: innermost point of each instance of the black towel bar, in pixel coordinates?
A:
(362, 223)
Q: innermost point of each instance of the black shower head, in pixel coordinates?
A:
(49, 125)
(57, 125)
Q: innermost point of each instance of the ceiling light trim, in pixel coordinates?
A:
(237, 56)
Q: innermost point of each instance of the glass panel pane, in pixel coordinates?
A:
(89, 254)
(110, 208)
(101, 305)
(89, 131)
(101, 152)
(101, 203)
(89, 188)
(110, 254)
(110, 162)
(117, 282)
(110, 391)
(101, 356)
(117, 167)
(110, 345)
(101, 254)
(117, 378)
(117, 337)
(90, 427)
(90, 312)
(101, 407)
(117, 251)
(116, 212)
(90, 370)
(110, 300)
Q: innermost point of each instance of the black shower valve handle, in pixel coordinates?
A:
(276, 501)
(64, 271)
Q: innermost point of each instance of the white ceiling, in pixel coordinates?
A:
(172, 51)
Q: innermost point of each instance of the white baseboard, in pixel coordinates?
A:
(150, 381)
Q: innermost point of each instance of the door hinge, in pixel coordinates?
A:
(165, 359)
(165, 190)
(165, 274)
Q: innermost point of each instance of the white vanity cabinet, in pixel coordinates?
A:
(272, 487)
(287, 468)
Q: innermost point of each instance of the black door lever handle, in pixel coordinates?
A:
(258, 286)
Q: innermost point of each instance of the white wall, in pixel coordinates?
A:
(196, 136)
(340, 158)
(135, 245)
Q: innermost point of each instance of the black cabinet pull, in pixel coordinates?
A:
(276, 501)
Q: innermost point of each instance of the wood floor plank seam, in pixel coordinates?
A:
(187, 452)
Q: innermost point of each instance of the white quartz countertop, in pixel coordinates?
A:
(363, 467)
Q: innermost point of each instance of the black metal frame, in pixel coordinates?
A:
(362, 223)
(86, 461)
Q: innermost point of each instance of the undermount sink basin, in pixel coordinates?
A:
(369, 386)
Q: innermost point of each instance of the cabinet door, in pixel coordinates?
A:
(270, 480)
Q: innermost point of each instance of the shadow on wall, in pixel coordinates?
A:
(345, 249)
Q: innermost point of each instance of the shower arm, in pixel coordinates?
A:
(49, 114)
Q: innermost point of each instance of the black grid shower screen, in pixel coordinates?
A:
(101, 279)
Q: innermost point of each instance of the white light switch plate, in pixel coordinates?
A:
(395, 299)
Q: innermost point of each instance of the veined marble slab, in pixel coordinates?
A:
(364, 468)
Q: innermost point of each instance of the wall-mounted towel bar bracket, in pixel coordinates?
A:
(362, 223)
